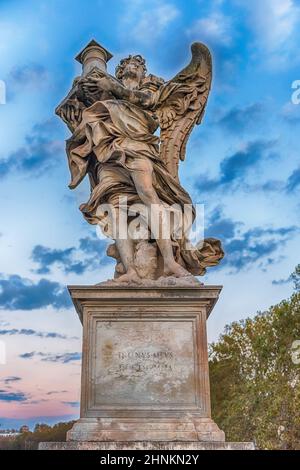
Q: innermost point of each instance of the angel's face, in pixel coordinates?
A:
(134, 70)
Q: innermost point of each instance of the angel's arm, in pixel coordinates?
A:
(137, 97)
(71, 108)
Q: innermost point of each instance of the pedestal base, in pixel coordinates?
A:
(145, 429)
(146, 445)
(145, 366)
(145, 378)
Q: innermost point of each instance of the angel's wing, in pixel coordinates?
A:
(181, 105)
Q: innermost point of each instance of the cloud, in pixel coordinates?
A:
(29, 355)
(92, 245)
(291, 114)
(10, 379)
(233, 169)
(276, 21)
(246, 248)
(73, 404)
(54, 392)
(12, 396)
(293, 181)
(237, 119)
(255, 245)
(47, 257)
(34, 402)
(39, 153)
(29, 73)
(280, 282)
(275, 24)
(219, 31)
(271, 185)
(17, 293)
(31, 76)
(225, 227)
(63, 358)
(91, 254)
(39, 334)
(4, 168)
(145, 24)
(216, 28)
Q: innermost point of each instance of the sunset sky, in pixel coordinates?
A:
(242, 164)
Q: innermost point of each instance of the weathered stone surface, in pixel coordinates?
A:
(170, 281)
(145, 366)
(178, 427)
(146, 445)
(144, 362)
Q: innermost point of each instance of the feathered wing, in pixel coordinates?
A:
(181, 104)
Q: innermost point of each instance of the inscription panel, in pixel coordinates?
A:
(144, 362)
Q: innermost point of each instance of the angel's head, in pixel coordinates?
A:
(133, 68)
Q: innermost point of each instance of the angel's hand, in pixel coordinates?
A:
(94, 84)
(72, 112)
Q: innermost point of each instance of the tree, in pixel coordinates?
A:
(42, 428)
(254, 381)
(295, 277)
(42, 433)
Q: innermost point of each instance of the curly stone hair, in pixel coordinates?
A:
(121, 67)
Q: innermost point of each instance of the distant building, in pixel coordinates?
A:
(8, 432)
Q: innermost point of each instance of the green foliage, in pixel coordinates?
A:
(254, 382)
(42, 433)
(296, 278)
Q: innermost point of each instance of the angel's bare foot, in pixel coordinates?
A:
(176, 270)
(130, 276)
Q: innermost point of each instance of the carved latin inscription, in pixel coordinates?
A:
(144, 362)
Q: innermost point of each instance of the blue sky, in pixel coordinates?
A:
(242, 163)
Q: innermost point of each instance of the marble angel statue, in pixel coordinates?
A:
(115, 142)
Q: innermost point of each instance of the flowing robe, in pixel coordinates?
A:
(114, 138)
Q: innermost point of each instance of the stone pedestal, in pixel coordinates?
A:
(145, 378)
